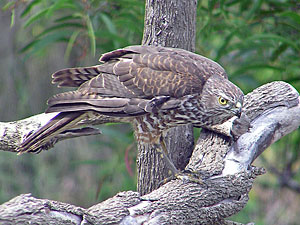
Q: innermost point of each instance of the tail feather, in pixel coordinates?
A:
(46, 134)
(74, 77)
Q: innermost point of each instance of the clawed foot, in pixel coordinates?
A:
(186, 176)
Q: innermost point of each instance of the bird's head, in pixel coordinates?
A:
(222, 98)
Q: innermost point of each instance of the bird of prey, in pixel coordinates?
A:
(155, 88)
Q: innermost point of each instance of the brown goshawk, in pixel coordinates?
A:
(155, 88)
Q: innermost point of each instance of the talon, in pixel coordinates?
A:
(190, 176)
(186, 177)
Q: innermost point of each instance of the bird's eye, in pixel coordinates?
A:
(222, 101)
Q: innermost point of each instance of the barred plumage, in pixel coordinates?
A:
(154, 87)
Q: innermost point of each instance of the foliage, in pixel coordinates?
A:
(88, 25)
(256, 41)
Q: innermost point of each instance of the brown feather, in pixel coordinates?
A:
(61, 122)
(132, 82)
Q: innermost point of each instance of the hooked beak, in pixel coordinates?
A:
(238, 109)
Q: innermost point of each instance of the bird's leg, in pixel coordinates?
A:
(185, 175)
(164, 154)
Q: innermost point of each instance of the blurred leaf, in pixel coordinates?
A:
(221, 50)
(244, 68)
(59, 26)
(91, 34)
(247, 83)
(61, 4)
(256, 6)
(293, 15)
(116, 134)
(129, 23)
(64, 18)
(274, 37)
(87, 162)
(29, 7)
(8, 5)
(110, 26)
(29, 45)
(35, 17)
(278, 51)
(12, 20)
(212, 4)
(293, 79)
(39, 44)
(90, 31)
(111, 36)
(71, 43)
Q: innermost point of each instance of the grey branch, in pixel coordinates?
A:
(274, 111)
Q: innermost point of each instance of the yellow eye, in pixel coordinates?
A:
(222, 101)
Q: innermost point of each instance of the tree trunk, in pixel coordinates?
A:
(169, 23)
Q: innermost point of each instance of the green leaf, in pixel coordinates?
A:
(36, 16)
(294, 16)
(8, 5)
(29, 7)
(61, 4)
(129, 23)
(44, 42)
(70, 44)
(90, 31)
(29, 45)
(274, 37)
(64, 18)
(245, 68)
(91, 34)
(221, 51)
(12, 18)
(212, 5)
(110, 36)
(278, 51)
(116, 134)
(111, 27)
(59, 26)
(253, 11)
(78, 15)
(108, 23)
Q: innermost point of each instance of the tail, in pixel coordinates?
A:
(47, 135)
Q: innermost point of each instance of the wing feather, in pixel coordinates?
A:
(128, 82)
(141, 72)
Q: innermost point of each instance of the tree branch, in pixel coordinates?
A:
(274, 111)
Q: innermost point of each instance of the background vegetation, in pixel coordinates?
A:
(256, 41)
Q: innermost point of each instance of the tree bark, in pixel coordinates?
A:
(274, 111)
(170, 23)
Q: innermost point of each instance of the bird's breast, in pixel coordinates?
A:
(149, 127)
